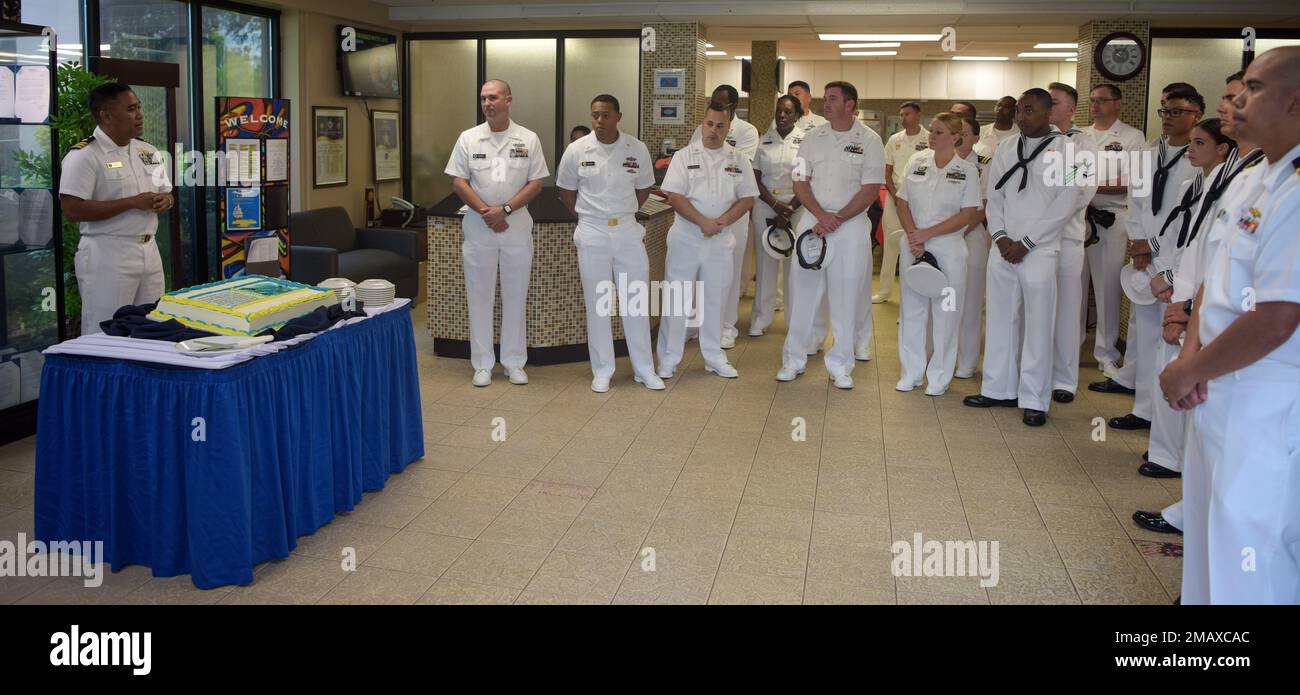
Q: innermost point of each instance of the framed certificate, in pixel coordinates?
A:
(669, 111)
(387, 144)
(670, 81)
(330, 146)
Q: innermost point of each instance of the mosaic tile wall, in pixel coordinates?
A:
(557, 315)
(763, 88)
(680, 46)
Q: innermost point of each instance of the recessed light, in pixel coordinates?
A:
(880, 37)
(1049, 54)
(709, 45)
(1071, 60)
(979, 57)
(882, 44)
(715, 53)
(743, 57)
(868, 53)
(1056, 45)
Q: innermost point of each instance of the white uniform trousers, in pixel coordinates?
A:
(739, 230)
(839, 284)
(1027, 288)
(862, 320)
(1241, 490)
(112, 272)
(1104, 260)
(710, 262)
(892, 231)
(768, 274)
(614, 254)
(972, 302)
(481, 262)
(1144, 337)
(1173, 515)
(943, 313)
(1168, 426)
(1067, 339)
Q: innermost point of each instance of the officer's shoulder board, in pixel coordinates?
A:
(984, 159)
(82, 145)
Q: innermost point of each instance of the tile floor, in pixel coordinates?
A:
(706, 480)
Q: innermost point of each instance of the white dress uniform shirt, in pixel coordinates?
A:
(1106, 257)
(977, 261)
(934, 194)
(497, 166)
(1070, 330)
(117, 259)
(743, 136)
(1242, 479)
(898, 150)
(837, 165)
(808, 121)
(994, 137)
(774, 162)
(609, 239)
(712, 180)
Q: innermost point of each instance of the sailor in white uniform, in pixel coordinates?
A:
(1004, 126)
(497, 168)
(711, 187)
(965, 109)
(1147, 213)
(776, 204)
(810, 118)
(844, 165)
(1081, 171)
(604, 178)
(898, 150)
(1240, 368)
(1027, 213)
(939, 199)
(1106, 243)
(115, 185)
(971, 333)
(744, 137)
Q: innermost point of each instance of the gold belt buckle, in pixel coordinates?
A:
(776, 191)
(612, 222)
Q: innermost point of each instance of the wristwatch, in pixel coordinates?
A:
(1187, 306)
(507, 208)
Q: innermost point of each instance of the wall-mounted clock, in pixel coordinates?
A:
(1119, 56)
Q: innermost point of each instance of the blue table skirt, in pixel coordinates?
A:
(289, 440)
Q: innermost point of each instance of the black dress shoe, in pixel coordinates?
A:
(1035, 418)
(1130, 422)
(1155, 470)
(979, 400)
(1110, 386)
(1154, 521)
(1062, 396)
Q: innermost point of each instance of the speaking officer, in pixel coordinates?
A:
(1107, 220)
(898, 150)
(497, 169)
(939, 199)
(1027, 212)
(711, 187)
(844, 165)
(604, 178)
(115, 185)
(1240, 368)
(1081, 171)
(971, 332)
(776, 205)
(1179, 112)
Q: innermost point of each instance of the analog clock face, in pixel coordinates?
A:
(1122, 56)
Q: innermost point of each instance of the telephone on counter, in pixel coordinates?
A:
(402, 213)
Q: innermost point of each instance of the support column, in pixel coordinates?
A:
(677, 45)
(1134, 107)
(763, 88)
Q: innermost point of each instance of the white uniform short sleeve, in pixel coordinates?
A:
(566, 176)
(536, 160)
(675, 178)
(78, 176)
(458, 163)
(1277, 263)
(748, 186)
(645, 179)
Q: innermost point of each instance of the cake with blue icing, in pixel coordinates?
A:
(242, 306)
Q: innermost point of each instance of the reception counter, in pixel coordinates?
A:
(557, 316)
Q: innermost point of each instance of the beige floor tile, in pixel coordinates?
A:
(604, 537)
(1032, 584)
(576, 471)
(298, 580)
(497, 564)
(17, 489)
(1102, 554)
(422, 482)
(867, 566)
(414, 552)
(113, 587)
(454, 592)
(527, 528)
(344, 539)
(765, 555)
(673, 546)
(773, 522)
(673, 584)
(818, 592)
(388, 508)
(743, 588)
(907, 597)
(179, 590)
(452, 458)
(484, 489)
(510, 464)
(577, 576)
(555, 498)
(372, 585)
(1119, 587)
(1081, 521)
(463, 518)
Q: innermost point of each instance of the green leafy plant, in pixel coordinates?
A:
(74, 123)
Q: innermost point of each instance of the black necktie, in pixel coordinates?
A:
(1023, 164)
(1184, 211)
(1230, 169)
(1162, 176)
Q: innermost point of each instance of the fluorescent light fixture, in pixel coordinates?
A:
(1049, 54)
(1071, 60)
(709, 45)
(979, 57)
(1056, 45)
(880, 37)
(743, 57)
(868, 53)
(780, 57)
(880, 44)
(715, 53)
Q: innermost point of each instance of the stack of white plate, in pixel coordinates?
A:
(342, 287)
(376, 293)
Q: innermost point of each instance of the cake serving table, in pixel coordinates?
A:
(210, 472)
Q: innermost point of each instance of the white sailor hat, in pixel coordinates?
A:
(778, 242)
(925, 277)
(813, 252)
(1136, 284)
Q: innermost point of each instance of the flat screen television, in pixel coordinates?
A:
(371, 70)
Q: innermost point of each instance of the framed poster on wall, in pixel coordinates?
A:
(387, 145)
(330, 146)
(253, 139)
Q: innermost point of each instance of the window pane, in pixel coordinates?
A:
(528, 65)
(602, 66)
(64, 16)
(443, 103)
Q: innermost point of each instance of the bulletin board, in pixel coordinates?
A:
(253, 195)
